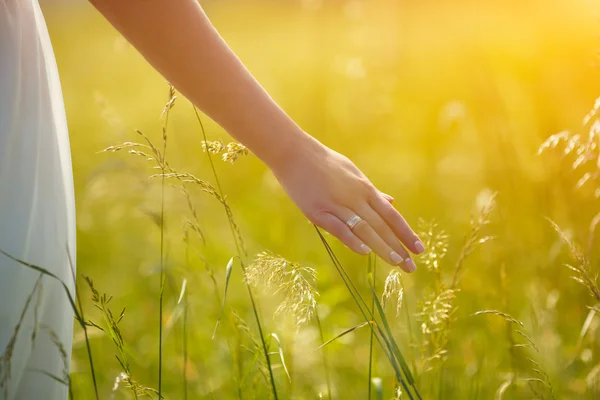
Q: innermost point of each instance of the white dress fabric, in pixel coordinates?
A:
(37, 212)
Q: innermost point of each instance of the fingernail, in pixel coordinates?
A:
(365, 249)
(410, 265)
(419, 247)
(395, 257)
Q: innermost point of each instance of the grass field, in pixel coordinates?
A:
(442, 105)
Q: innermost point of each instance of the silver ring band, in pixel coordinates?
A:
(352, 222)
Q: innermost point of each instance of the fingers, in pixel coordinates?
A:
(394, 255)
(383, 231)
(339, 229)
(397, 224)
(386, 196)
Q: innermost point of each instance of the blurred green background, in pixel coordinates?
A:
(439, 103)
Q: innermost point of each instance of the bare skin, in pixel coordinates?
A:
(177, 38)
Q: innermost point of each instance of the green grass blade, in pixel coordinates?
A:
(51, 376)
(344, 333)
(50, 274)
(378, 385)
(393, 361)
(83, 326)
(176, 314)
(228, 270)
(395, 349)
(281, 356)
(324, 353)
(182, 293)
(411, 338)
(371, 267)
(360, 304)
(185, 344)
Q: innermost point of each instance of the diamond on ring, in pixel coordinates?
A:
(352, 222)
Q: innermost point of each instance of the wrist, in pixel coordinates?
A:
(292, 149)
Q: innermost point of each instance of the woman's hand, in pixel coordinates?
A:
(330, 190)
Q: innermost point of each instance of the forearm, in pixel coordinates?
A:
(177, 38)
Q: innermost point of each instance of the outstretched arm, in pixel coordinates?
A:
(177, 38)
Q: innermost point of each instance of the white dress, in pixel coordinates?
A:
(37, 211)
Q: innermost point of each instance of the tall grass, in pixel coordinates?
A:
(384, 338)
(295, 283)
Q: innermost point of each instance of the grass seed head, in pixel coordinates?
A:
(435, 240)
(393, 289)
(293, 281)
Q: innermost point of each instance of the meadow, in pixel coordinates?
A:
(444, 106)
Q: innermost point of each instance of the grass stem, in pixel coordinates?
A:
(372, 267)
(325, 360)
(83, 326)
(241, 253)
(390, 348)
(162, 250)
